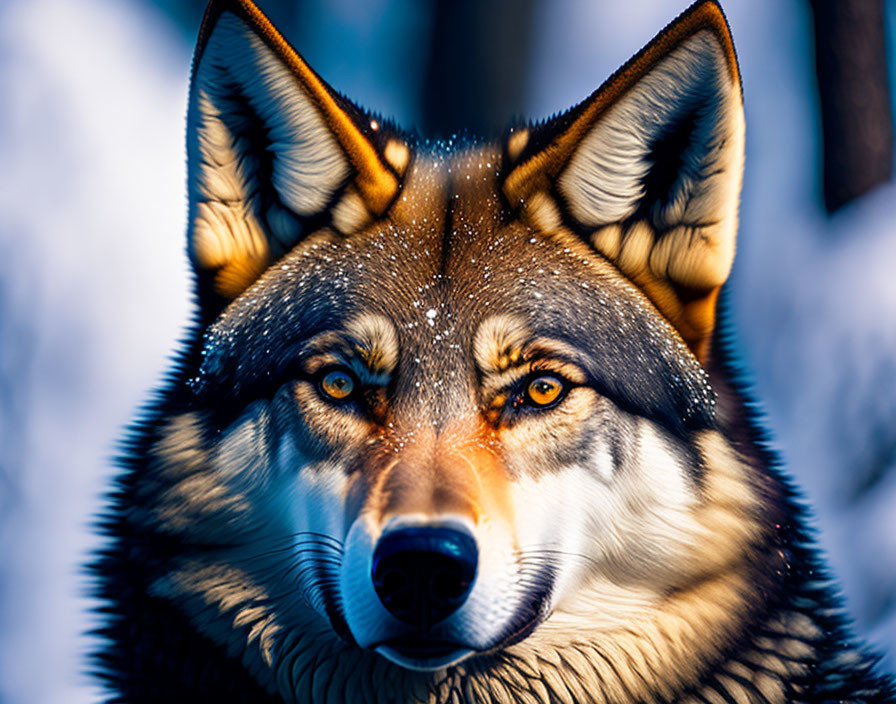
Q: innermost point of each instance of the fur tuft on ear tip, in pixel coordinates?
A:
(709, 14)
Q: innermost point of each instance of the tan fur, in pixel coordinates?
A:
(375, 342)
(516, 142)
(542, 212)
(397, 154)
(226, 597)
(231, 243)
(350, 214)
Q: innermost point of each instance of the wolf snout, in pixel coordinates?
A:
(423, 574)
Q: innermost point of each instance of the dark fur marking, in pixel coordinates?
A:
(666, 156)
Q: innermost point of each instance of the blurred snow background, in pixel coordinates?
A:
(93, 275)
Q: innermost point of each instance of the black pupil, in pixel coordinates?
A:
(543, 386)
(339, 382)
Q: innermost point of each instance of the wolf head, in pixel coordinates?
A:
(457, 404)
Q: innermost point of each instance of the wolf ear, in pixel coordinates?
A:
(272, 151)
(648, 169)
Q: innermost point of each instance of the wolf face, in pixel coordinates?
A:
(455, 424)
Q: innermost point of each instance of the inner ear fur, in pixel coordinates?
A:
(272, 152)
(648, 169)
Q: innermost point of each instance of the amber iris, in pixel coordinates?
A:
(337, 385)
(544, 390)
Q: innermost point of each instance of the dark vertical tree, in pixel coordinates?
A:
(478, 65)
(857, 126)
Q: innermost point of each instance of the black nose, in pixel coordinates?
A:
(424, 574)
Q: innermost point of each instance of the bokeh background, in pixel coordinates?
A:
(94, 280)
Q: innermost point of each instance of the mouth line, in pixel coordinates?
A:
(521, 627)
(432, 654)
(423, 648)
(521, 633)
(424, 655)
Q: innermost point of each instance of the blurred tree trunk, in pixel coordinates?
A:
(857, 127)
(478, 65)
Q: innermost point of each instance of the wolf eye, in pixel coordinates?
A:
(337, 385)
(544, 390)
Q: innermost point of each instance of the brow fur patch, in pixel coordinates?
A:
(505, 352)
(368, 344)
(499, 342)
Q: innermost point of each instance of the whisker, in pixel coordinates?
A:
(290, 539)
(543, 554)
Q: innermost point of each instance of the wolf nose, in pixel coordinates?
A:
(424, 574)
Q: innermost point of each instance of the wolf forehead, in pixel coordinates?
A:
(450, 269)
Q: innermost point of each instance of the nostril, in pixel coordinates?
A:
(392, 581)
(446, 584)
(422, 575)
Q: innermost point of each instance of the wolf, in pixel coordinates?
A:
(462, 421)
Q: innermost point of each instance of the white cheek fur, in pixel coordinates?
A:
(616, 532)
(317, 494)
